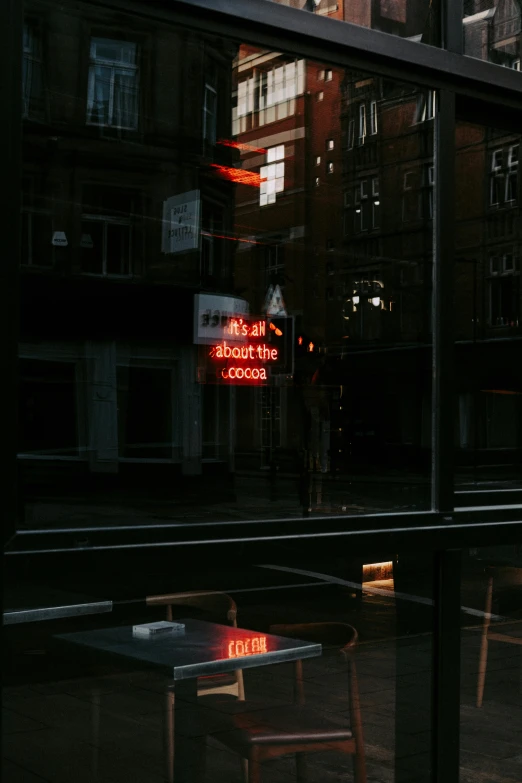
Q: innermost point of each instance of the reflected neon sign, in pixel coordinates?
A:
(239, 648)
(243, 356)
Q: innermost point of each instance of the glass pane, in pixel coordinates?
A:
(361, 630)
(491, 690)
(145, 412)
(415, 19)
(260, 322)
(492, 31)
(488, 434)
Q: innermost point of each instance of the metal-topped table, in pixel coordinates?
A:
(202, 649)
(34, 603)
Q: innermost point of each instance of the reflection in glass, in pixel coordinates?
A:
(492, 31)
(415, 19)
(243, 287)
(487, 305)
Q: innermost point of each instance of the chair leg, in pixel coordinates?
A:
(244, 770)
(483, 658)
(300, 764)
(254, 768)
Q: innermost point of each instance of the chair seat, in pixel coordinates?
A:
(248, 723)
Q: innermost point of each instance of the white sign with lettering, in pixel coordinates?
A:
(181, 222)
(212, 313)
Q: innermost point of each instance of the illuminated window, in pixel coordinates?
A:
(328, 76)
(272, 175)
(330, 144)
(106, 229)
(330, 167)
(112, 97)
(32, 72)
(320, 75)
(376, 203)
(318, 160)
(373, 118)
(320, 96)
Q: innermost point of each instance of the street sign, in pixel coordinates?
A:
(274, 302)
(181, 222)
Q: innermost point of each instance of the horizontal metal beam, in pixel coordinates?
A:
(465, 527)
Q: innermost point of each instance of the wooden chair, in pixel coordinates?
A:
(504, 578)
(218, 607)
(258, 733)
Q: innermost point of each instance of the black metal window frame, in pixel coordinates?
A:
(467, 89)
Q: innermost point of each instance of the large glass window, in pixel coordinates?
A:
(492, 31)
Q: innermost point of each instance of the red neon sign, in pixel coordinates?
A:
(241, 647)
(242, 355)
(237, 175)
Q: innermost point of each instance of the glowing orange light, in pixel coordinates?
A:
(241, 647)
(237, 175)
(299, 340)
(310, 347)
(275, 329)
(240, 146)
(262, 352)
(242, 328)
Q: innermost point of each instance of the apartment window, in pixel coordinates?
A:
(317, 182)
(362, 123)
(328, 75)
(321, 75)
(362, 207)
(373, 118)
(32, 72)
(351, 134)
(112, 98)
(272, 175)
(412, 196)
(330, 167)
(376, 203)
(504, 290)
(330, 144)
(318, 160)
(320, 96)
(274, 264)
(503, 186)
(106, 232)
(37, 228)
(425, 109)
(212, 242)
(210, 113)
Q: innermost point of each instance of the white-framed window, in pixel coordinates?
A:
(362, 123)
(317, 182)
(516, 65)
(376, 203)
(318, 160)
(328, 75)
(320, 75)
(106, 232)
(408, 180)
(330, 144)
(320, 96)
(330, 167)
(272, 175)
(426, 106)
(503, 183)
(274, 264)
(210, 113)
(363, 210)
(373, 118)
(112, 94)
(32, 72)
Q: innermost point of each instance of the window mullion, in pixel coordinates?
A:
(452, 25)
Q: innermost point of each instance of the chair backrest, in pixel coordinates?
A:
(218, 605)
(338, 636)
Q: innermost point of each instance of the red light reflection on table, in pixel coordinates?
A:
(255, 645)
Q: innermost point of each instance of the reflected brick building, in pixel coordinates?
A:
(113, 154)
